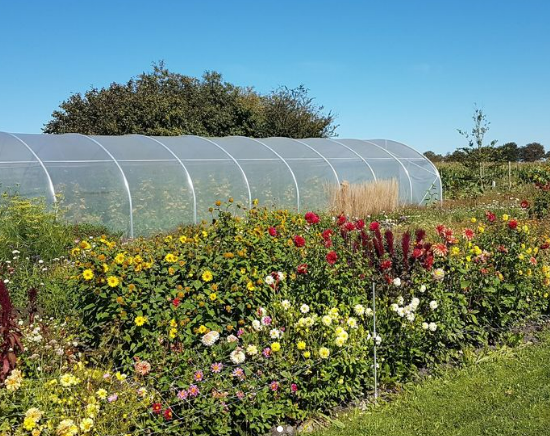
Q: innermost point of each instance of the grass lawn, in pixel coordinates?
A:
(508, 395)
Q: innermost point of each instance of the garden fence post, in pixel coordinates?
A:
(374, 337)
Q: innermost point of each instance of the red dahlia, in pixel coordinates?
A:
(272, 231)
(299, 241)
(468, 234)
(385, 264)
(491, 217)
(327, 233)
(440, 250)
(524, 204)
(374, 226)
(302, 268)
(417, 252)
(341, 220)
(359, 224)
(349, 226)
(513, 224)
(332, 257)
(311, 218)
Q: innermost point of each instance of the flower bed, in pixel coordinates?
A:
(256, 321)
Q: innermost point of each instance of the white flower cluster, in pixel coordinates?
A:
(269, 279)
(35, 335)
(406, 311)
(360, 310)
(432, 326)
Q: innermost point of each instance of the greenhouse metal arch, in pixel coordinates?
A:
(142, 184)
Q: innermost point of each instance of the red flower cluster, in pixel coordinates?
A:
(311, 218)
(513, 224)
(327, 237)
(157, 408)
(375, 225)
(272, 231)
(168, 414)
(468, 234)
(332, 257)
(446, 233)
(385, 264)
(348, 227)
(176, 302)
(299, 241)
(302, 268)
(524, 204)
(491, 217)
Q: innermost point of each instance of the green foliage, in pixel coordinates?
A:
(166, 103)
(27, 226)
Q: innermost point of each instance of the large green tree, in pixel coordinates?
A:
(532, 152)
(166, 103)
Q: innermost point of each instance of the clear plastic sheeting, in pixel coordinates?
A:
(141, 185)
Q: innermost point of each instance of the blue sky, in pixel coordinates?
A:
(406, 70)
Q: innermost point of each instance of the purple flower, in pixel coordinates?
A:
(239, 373)
(240, 395)
(112, 398)
(266, 320)
(193, 391)
(266, 352)
(240, 332)
(274, 386)
(199, 376)
(216, 367)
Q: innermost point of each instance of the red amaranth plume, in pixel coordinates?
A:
(378, 247)
(420, 234)
(7, 307)
(10, 333)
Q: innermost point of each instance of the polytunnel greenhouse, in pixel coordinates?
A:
(142, 184)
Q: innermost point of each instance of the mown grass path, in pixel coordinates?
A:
(509, 395)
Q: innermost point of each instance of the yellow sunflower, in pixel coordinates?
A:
(113, 281)
(140, 320)
(88, 274)
(207, 276)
